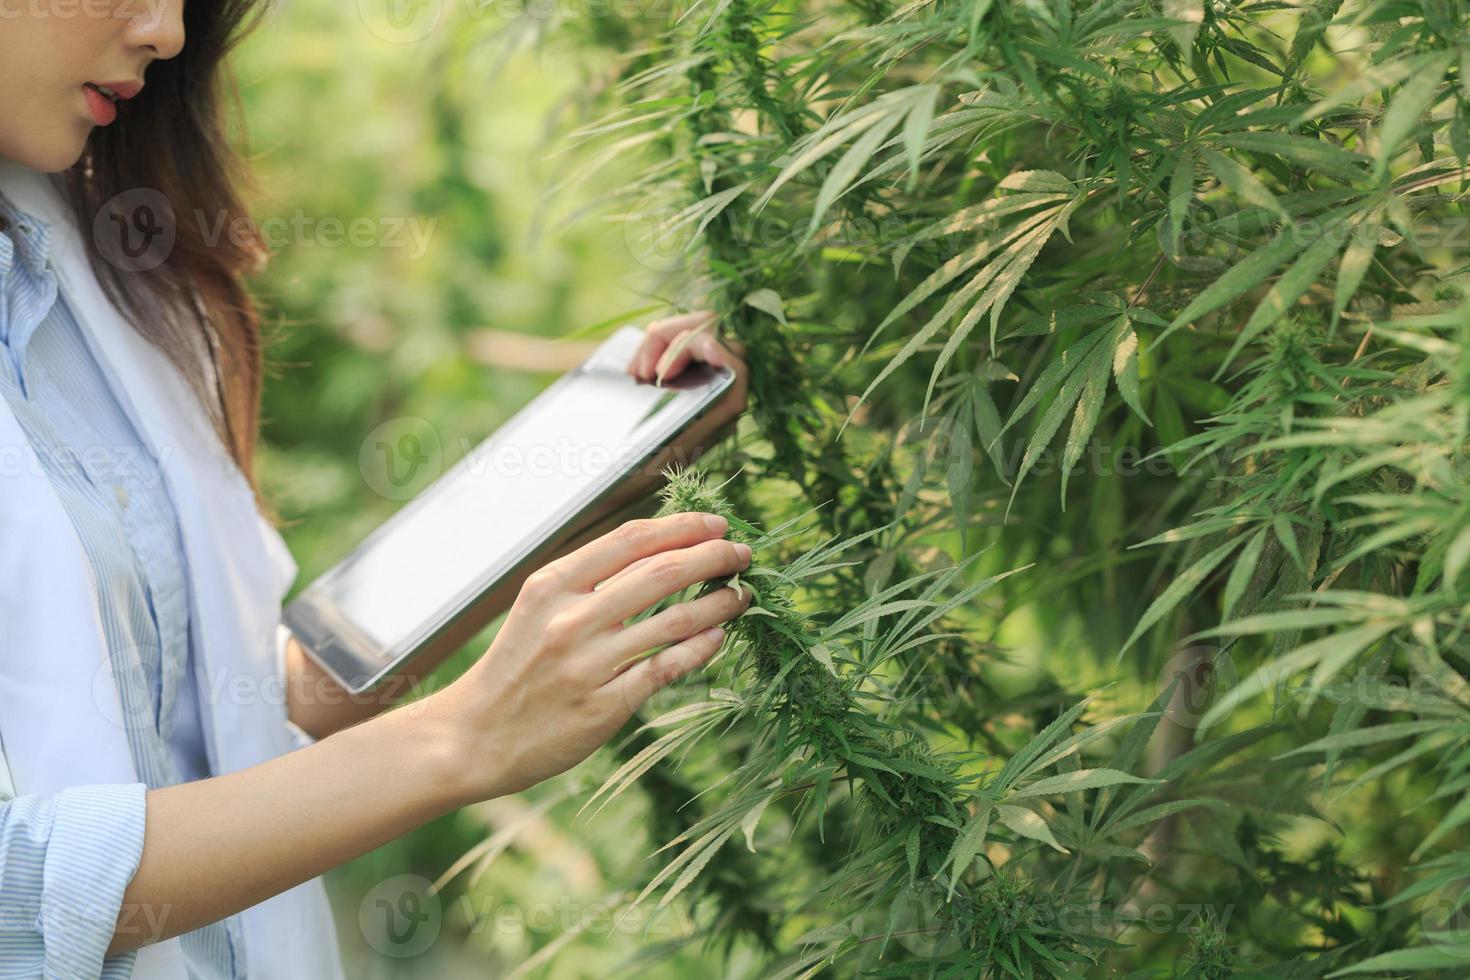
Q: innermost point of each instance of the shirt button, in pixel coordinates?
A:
(122, 495)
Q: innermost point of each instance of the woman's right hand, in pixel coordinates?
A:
(564, 673)
(561, 678)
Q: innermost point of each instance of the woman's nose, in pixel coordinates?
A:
(156, 26)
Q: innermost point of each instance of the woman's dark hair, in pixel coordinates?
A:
(173, 140)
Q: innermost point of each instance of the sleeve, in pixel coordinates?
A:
(65, 861)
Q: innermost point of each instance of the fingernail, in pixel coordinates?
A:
(743, 550)
(714, 634)
(716, 523)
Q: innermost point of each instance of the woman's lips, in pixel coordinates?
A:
(104, 112)
(102, 99)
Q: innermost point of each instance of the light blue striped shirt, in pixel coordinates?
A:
(66, 859)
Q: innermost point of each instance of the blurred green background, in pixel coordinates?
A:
(419, 275)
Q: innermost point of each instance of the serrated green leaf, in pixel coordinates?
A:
(1242, 573)
(1419, 92)
(1027, 823)
(1242, 182)
(1444, 956)
(1345, 644)
(1178, 590)
(967, 846)
(1125, 368)
(1076, 782)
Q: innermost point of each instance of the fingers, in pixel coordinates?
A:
(639, 682)
(606, 556)
(681, 621)
(670, 327)
(708, 348)
(672, 344)
(704, 347)
(625, 572)
(669, 574)
(675, 358)
(658, 338)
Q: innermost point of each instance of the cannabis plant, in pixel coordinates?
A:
(1106, 475)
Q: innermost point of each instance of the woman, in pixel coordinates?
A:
(179, 771)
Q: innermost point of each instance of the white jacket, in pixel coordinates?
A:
(59, 707)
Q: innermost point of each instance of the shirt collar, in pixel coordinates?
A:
(28, 288)
(25, 238)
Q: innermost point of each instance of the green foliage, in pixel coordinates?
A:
(809, 692)
(1115, 328)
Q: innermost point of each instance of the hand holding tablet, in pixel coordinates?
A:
(422, 578)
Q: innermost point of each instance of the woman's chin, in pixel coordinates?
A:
(51, 153)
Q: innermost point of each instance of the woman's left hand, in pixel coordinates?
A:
(672, 344)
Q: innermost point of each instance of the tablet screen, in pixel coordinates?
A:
(506, 497)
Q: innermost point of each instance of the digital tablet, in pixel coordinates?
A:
(423, 576)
